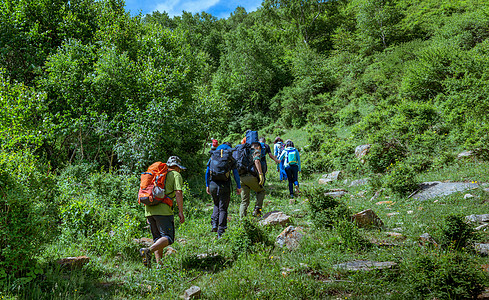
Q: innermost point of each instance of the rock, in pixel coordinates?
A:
(323, 181)
(468, 196)
(193, 292)
(170, 251)
(332, 176)
(290, 237)
(366, 219)
(482, 248)
(465, 154)
(145, 242)
(337, 194)
(486, 190)
(477, 218)
(365, 265)
(482, 227)
(276, 218)
(361, 151)
(182, 241)
(429, 190)
(426, 238)
(392, 214)
(359, 182)
(384, 202)
(73, 262)
(377, 194)
(362, 194)
(396, 235)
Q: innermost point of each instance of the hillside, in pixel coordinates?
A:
(90, 96)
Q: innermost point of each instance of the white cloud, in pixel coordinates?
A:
(175, 7)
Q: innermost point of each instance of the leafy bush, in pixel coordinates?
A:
(245, 236)
(351, 237)
(456, 233)
(401, 179)
(28, 214)
(325, 210)
(382, 156)
(443, 275)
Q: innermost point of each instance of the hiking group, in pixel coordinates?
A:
(162, 183)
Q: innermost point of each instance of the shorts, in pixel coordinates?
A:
(162, 226)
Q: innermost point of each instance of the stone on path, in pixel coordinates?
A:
(429, 190)
(275, 218)
(170, 251)
(336, 194)
(327, 178)
(478, 218)
(78, 261)
(290, 237)
(426, 238)
(396, 235)
(193, 292)
(465, 154)
(361, 151)
(145, 242)
(367, 219)
(359, 182)
(365, 265)
(482, 248)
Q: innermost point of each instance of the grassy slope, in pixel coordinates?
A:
(269, 272)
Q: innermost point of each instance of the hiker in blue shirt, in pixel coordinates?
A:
(278, 147)
(220, 190)
(292, 163)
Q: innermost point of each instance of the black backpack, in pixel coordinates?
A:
(244, 161)
(221, 163)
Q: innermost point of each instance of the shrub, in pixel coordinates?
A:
(325, 210)
(401, 179)
(443, 276)
(245, 236)
(351, 237)
(456, 233)
(382, 156)
(28, 214)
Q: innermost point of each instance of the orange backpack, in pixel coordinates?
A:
(152, 188)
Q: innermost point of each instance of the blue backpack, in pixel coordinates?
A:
(292, 158)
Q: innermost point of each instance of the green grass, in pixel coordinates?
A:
(269, 272)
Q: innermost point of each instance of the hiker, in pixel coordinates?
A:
(278, 147)
(214, 145)
(160, 216)
(220, 187)
(252, 179)
(292, 164)
(266, 150)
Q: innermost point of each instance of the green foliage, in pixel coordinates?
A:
(401, 179)
(325, 210)
(456, 233)
(245, 236)
(29, 215)
(351, 237)
(443, 275)
(383, 156)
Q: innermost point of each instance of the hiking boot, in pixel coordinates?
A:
(257, 212)
(214, 229)
(291, 196)
(146, 256)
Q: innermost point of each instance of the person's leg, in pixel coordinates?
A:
(295, 175)
(164, 227)
(245, 196)
(290, 178)
(214, 189)
(253, 183)
(224, 197)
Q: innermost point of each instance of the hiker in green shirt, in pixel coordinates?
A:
(160, 216)
(251, 182)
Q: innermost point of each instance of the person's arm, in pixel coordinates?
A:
(237, 180)
(179, 198)
(260, 172)
(273, 157)
(298, 159)
(207, 179)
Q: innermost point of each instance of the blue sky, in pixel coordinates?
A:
(218, 8)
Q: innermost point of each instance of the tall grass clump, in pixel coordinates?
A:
(325, 210)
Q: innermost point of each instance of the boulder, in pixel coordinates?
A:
(73, 262)
(465, 154)
(336, 194)
(367, 219)
(427, 239)
(276, 218)
(327, 178)
(290, 237)
(145, 242)
(482, 227)
(365, 265)
(193, 292)
(359, 182)
(478, 218)
(362, 150)
(468, 196)
(482, 248)
(429, 190)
